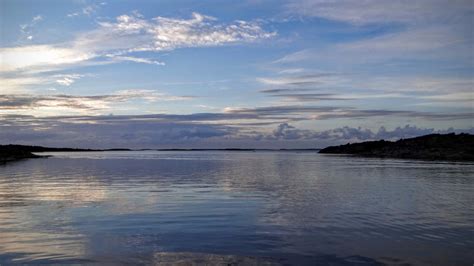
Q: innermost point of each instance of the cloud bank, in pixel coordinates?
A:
(184, 131)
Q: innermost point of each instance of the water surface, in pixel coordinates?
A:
(235, 207)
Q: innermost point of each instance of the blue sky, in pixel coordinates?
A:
(256, 73)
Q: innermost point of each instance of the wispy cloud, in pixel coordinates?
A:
(452, 97)
(380, 11)
(67, 80)
(419, 43)
(48, 104)
(87, 10)
(309, 97)
(320, 86)
(17, 84)
(305, 112)
(27, 29)
(284, 90)
(291, 71)
(406, 42)
(136, 60)
(326, 86)
(300, 80)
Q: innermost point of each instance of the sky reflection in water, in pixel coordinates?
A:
(223, 207)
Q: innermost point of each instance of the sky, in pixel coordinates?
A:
(233, 74)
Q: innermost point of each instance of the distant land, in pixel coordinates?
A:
(13, 152)
(429, 147)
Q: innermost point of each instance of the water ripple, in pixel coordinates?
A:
(235, 207)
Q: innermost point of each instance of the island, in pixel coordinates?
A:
(452, 147)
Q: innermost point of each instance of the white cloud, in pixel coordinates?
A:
(132, 33)
(291, 71)
(22, 57)
(75, 14)
(37, 18)
(67, 80)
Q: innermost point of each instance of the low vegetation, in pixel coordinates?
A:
(430, 147)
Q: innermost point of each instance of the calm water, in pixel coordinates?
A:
(235, 207)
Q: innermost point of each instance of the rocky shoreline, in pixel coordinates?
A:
(11, 152)
(449, 147)
(8, 155)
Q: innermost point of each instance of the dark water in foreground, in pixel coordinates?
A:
(242, 207)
